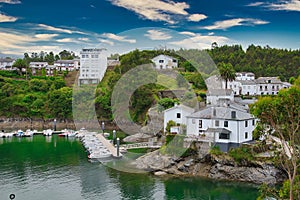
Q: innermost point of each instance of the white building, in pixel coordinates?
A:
(6, 63)
(244, 76)
(225, 126)
(269, 85)
(66, 65)
(35, 66)
(165, 62)
(93, 65)
(213, 96)
(178, 114)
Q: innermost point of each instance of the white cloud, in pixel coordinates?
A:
(118, 38)
(111, 43)
(65, 40)
(187, 33)
(157, 35)
(196, 17)
(235, 22)
(84, 39)
(5, 18)
(200, 41)
(10, 1)
(256, 4)
(288, 5)
(155, 10)
(62, 30)
(45, 36)
(18, 43)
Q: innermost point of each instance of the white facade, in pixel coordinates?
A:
(269, 85)
(213, 96)
(6, 63)
(226, 126)
(245, 76)
(178, 114)
(165, 62)
(38, 65)
(93, 65)
(66, 65)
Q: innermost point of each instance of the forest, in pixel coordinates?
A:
(49, 97)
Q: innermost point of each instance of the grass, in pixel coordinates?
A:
(140, 150)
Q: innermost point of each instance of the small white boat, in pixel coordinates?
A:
(8, 135)
(2, 135)
(20, 133)
(67, 133)
(28, 133)
(47, 132)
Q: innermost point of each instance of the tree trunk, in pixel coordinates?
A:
(226, 82)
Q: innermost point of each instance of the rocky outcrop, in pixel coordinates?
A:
(139, 137)
(215, 167)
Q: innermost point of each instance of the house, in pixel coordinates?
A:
(268, 85)
(93, 65)
(165, 62)
(213, 96)
(178, 114)
(35, 66)
(244, 76)
(226, 127)
(6, 63)
(66, 65)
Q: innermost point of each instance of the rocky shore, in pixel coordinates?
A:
(216, 167)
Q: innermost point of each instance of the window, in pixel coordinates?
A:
(233, 114)
(224, 136)
(217, 123)
(161, 61)
(266, 88)
(260, 88)
(246, 123)
(178, 115)
(225, 123)
(200, 123)
(253, 122)
(83, 56)
(96, 56)
(246, 135)
(174, 61)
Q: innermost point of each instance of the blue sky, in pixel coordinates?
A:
(123, 25)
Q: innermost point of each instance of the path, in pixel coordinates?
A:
(108, 145)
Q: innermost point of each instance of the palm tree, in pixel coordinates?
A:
(227, 72)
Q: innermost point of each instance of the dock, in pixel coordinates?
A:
(109, 146)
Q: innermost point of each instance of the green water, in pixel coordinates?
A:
(57, 168)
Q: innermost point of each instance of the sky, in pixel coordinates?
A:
(124, 25)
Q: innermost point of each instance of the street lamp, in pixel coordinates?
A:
(103, 126)
(54, 128)
(114, 136)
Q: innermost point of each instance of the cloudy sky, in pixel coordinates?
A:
(123, 25)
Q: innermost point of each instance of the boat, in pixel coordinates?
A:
(19, 133)
(1, 135)
(47, 132)
(28, 133)
(67, 133)
(8, 135)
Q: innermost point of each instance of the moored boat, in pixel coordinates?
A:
(19, 133)
(47, 132)
(28, 133)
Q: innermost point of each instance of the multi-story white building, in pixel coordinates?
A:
(6, 63)
(165, 62)
(66, 65)
(93, 65)
(270, 85)
(178, 114)
(224, 126)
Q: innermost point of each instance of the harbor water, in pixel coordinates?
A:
(40, 167)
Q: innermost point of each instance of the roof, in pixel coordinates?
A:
(170, 57)
(218, 130)
(221, 113)
(36, 63)
(6, 60)
(247, 82)
(181, 106)
(66, 61)
(264, 80)
(219, 92)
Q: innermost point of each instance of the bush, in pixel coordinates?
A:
(215, 150)
(241, 154)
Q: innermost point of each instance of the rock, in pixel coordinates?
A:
(139, 137)
(160, 173)
(189, 163)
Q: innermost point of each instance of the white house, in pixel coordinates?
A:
(93, 65)
(225, 126)
(165, 62)
(244, 76)
(268, 85)
(66, 65)
(35, 66)
(6, 63)
(178, 114)
(213, 96)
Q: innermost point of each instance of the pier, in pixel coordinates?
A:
(109, 146)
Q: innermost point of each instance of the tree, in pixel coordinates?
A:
(20, 64)
(227, 72)
(282, 114)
